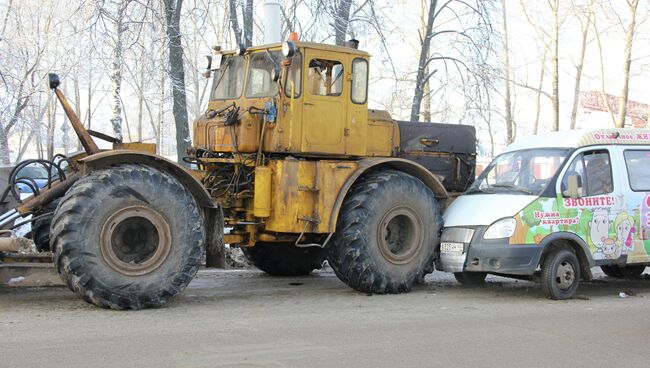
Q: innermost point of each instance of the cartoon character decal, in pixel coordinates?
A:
(599, 234)
(612, 227)
(625, 231)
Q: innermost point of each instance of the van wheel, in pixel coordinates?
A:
(385, 234)
(560, 274)
(470, 278)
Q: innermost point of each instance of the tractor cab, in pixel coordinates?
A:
(296, 97)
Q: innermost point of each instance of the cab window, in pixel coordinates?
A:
(260, 75)
(594, 172)
(359, 93)
(325, 77)
(293, 77)
(638, 169)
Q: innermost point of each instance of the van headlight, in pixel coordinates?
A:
(503, 228)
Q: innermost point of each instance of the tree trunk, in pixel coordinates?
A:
(248, 23)
(538, 105)
(555, 72)
(426, 99)
(506, 77)
(234, 23)
(4, 147)
(341, 21)
(116, 70)
(177, 77)
(421, 77)
(627, 63)
(576, 89)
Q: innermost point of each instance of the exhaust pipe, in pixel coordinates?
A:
(272, 16)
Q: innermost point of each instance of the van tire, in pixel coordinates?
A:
(470, 278)
(560, 274)
(386, 233)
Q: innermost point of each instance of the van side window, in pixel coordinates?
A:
(599, 173)
(638, 169)
(325, 77)
(594, 172)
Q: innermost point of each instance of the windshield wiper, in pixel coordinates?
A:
(513, 187)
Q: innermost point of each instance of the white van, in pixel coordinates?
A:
(555, 205)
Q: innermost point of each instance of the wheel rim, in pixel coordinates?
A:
(135, 240)
(400, 235)
(565, 275)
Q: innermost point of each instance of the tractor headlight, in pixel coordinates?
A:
(288, 49)
(503, 228)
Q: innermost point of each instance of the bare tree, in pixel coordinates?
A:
(506, 76)
(585, 21)
(470, 33)
(632, 6)
(177, 76)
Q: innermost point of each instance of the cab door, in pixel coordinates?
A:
(356, 124)
(324, 102)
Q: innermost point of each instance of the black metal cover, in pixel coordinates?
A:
(447, 150)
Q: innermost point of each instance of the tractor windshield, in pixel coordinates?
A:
(229, 80)
(260, 75)
(520, 172)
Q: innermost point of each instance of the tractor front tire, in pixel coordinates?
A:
(127, 237)
(386, 233)
(285, 259)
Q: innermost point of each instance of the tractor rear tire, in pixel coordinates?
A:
(285, 259)
(127, 237)
(386, 233)
(623, 272)
(41, 232)
(470, 278)
(41, 227)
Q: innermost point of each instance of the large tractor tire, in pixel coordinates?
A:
(285, 259)
(41, 227)
(386, 234)
(127, 237)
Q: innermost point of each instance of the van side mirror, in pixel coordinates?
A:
(573, 186)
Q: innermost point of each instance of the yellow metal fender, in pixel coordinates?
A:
(107, 158)
(399, 164)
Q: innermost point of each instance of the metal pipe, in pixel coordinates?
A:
(272, 16)
(8, 244)
(86, 140)
(48, 195)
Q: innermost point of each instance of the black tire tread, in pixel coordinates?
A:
(285, 259)
(354, 266)
(548, 275)
(75, 264)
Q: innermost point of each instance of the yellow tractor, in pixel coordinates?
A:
(287, 158)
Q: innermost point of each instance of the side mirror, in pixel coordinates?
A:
(53, 80)
(208, 69)
(275, 73)
(574, 184)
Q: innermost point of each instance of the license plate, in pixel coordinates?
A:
(448, 247)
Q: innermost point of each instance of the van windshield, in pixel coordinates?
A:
(525, 172)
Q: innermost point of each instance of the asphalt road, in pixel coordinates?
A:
(247, 319)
